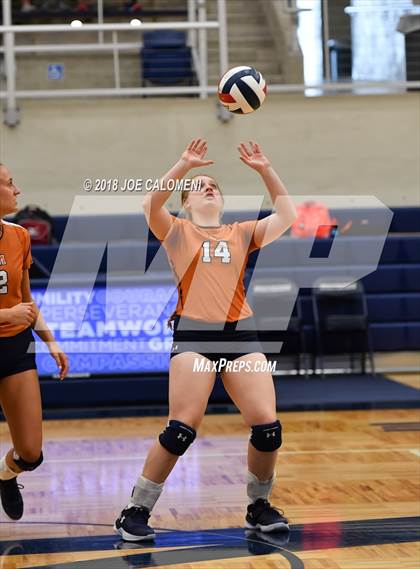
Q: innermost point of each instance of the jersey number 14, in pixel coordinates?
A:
(221, 250)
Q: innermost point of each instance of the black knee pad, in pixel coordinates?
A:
(25, 465)
(266, 438)
(177, 437)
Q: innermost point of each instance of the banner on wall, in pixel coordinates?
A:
(133, 337)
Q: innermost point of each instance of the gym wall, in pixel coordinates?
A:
(337, 144)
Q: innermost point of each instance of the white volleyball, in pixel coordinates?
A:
(242, 90)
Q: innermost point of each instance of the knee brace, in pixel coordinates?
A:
(25, 465)
(266, 438)
(177, 437)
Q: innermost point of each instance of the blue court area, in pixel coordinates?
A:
(222, 544)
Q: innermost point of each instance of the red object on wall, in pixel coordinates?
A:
(313, 220)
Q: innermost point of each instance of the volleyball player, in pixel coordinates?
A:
(20, 397)
(209, 260)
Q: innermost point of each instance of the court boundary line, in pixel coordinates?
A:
(414, 451)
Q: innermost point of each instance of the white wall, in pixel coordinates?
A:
(336, 144)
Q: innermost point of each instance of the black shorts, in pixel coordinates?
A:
(14, 355)
(209, 340)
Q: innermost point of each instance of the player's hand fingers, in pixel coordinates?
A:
(245, 149)
(203, 150)
(253, 147)
(201, 146)
(58, 361)
(30, 314)
(191, 146)
(247, 162)
(28, 308)
(196, 145)
(207, 162)
(242, 152)
(64, 365)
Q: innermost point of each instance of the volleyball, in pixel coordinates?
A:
(242, 90)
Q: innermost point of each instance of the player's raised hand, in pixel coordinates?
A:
(194, 154)
(253, 156)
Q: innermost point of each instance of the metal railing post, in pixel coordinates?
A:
(326, 37)
(222, 113)
(192, 17)
(11, 112)
(223, 38)
(100, 9)
(202, 43)
(116, 55)
(192, 35)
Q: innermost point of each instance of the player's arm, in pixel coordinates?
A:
(158, 217)
(42, 329)
(4, 315)
(20, 315)
(273, 226)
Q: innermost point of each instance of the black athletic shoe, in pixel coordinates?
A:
(263, 517)
(132, 524)
(11, 498)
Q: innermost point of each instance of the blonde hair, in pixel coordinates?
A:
(184, 196)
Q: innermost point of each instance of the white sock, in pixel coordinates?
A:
(146, 493)
(6, 473)
(258, 488)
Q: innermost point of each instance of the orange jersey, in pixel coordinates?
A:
(209, 265)
(15, 257)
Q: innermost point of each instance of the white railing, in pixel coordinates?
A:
(196, 26)
(197, 31)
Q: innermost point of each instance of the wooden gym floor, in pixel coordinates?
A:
(348, 481)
